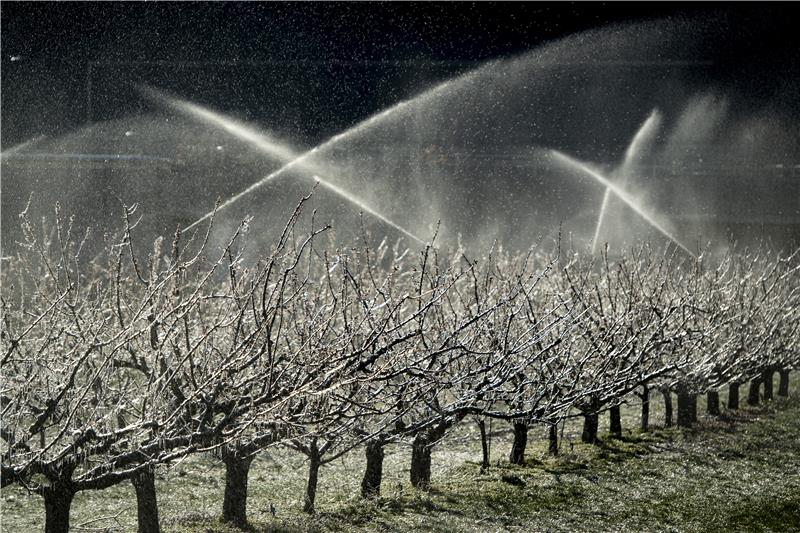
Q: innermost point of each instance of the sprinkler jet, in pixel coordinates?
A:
(21, 146)
(617, 187)
(291, 159)
(633, 155)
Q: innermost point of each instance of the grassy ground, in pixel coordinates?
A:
(735, 473)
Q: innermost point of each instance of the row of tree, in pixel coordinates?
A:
(117, 365)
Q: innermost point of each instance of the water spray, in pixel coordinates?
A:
(651, 218)
(301, 162)
(258, 139)
(21, 146)
(268, 145)
(643, 136)
(344, 194)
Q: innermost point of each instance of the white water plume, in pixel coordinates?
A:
(21, 146)
(301, 162)
(258, 139)
(652, 218)
(346, 195)
(290, 158)
(644, 136)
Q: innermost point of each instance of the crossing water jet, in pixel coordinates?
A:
(575, 165)
(261, 141)
(378, 118)
(643, 136)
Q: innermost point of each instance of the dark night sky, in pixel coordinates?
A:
(66, 63)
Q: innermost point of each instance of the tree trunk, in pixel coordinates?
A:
(237, 468)
(645, 407)
(421, 462)
(373, 474)
(57, 502)
(422, 447)
(589, 434)
(314, 462)
(783, 384)
(712, 403)
(517, 456)
(667, 407)
(144, 483)
(693, 407)
(552, 438)
(733, 396)
(685, 417)
(484, 446)
(752, 396)
(615, 421)
(767, 377)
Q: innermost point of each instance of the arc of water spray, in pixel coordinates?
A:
(651, 218)
(259, 139)
(643, 136)
(302, 161)
(266, 144)
(344, 194)
(21, 146)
